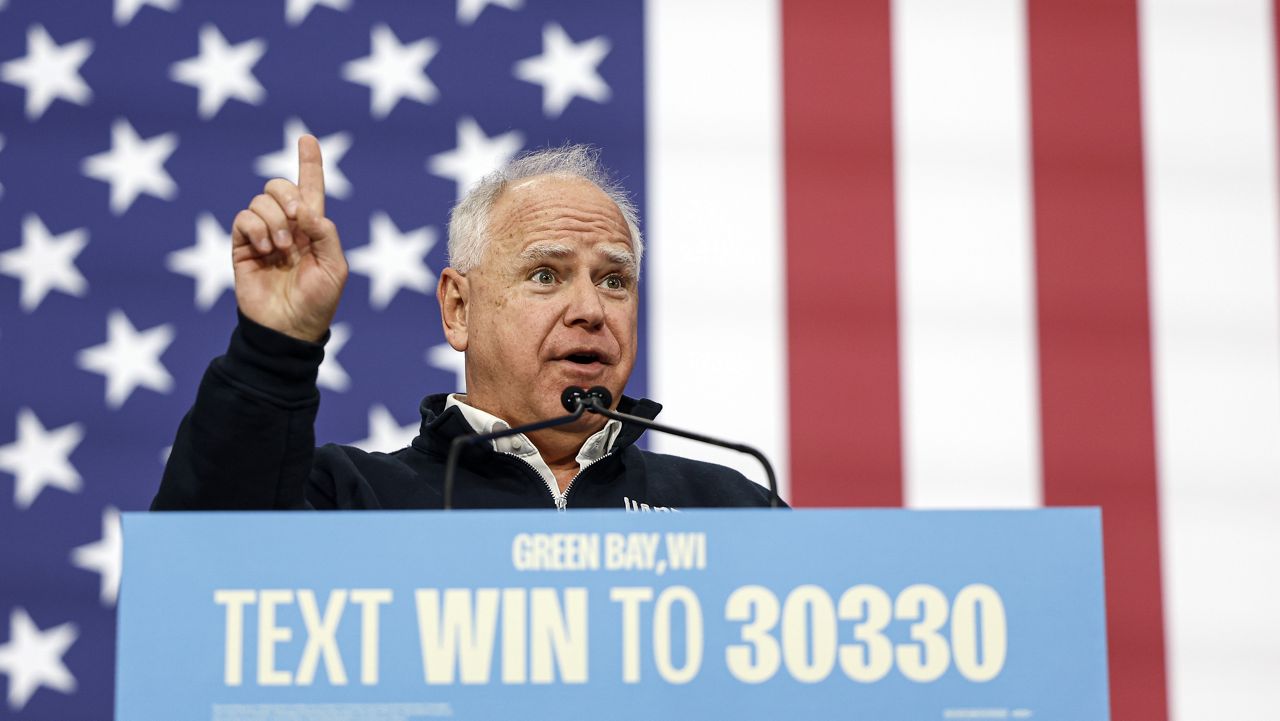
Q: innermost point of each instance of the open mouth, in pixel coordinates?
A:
(583, 358)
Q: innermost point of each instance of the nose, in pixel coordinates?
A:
(585, 307)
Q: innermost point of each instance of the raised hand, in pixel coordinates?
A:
(288, 261)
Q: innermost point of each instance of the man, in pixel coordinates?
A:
(542, 293)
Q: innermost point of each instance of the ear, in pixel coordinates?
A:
(453, 292)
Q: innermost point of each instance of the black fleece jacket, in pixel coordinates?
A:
(249, 443)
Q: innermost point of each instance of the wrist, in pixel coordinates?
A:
(272, 363)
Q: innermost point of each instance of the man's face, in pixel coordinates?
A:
(553, 302)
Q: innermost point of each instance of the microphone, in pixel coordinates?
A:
(598, 399)
(572, 398)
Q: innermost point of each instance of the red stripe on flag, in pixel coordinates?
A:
(841, 272)
(1096, 384)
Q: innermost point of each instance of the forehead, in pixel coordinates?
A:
(555, 208)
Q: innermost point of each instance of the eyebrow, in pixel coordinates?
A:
(621, 257)
(543, 251)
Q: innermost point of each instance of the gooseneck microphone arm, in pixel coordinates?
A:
(598, 399)
(573, 399)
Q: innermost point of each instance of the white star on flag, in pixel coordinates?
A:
(444, 357)
(129, 358)
(221, 71)
(393, 71)
(469, 10)
(103, 556)
(332, 375)
(126, 9)
(40, 458)
(385, 433)
(475, 156)
(208, 261)
(284, 162)
(295, 11)
(133, 166)
(49, 71)
(45, 262)
(393, 260)
(565, 70)
(33, 658)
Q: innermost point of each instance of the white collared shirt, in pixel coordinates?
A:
(596, 447)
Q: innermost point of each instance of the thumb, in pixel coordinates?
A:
(321, 231)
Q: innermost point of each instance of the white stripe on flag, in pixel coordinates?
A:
(717, 330)
(965, 254)
(1209, 120)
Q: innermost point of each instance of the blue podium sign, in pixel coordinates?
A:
(734, 614)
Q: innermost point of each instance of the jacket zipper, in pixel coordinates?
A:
(561, 500)
(564, 498)
(556, 501)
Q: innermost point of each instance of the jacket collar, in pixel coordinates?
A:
(440, 425)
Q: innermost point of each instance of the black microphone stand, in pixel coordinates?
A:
(598, 400)
(573, 399)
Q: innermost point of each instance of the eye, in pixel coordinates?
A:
(543, 276)
(614, 282)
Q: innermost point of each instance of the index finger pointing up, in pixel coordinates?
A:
(311, 173)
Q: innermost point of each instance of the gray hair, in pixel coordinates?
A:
(469, 221)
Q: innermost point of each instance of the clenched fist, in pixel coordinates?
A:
(288, 262)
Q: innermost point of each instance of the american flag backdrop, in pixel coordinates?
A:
(933, 253)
